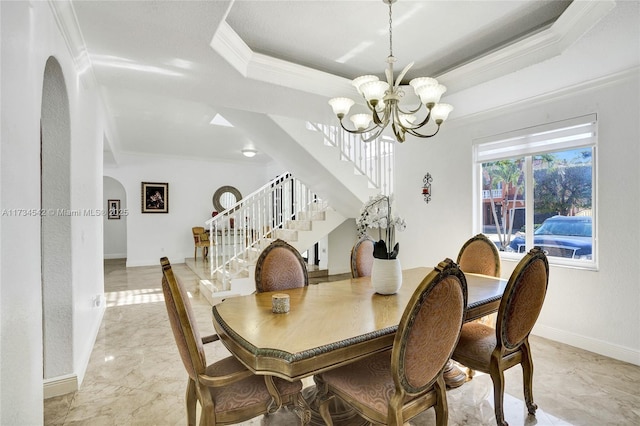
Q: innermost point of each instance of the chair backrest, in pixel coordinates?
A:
(429, 329)
(183, 323)
(199, 235)
(280, 267)
(362, 257)
(522, 299)
(479, 255)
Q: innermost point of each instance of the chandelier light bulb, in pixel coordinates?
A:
(430, 93)
(417, 82)
(361, 121)
(341, 106)
(359, 81)
(440, 112)
(374, 90)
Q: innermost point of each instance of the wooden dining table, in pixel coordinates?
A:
(329, 324)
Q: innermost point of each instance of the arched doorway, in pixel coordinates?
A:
(55, 236)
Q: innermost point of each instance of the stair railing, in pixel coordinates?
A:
(237, 232)
(372, 159)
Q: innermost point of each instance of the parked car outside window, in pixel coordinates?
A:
(560, 236)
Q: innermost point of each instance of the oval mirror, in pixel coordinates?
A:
(225, 197)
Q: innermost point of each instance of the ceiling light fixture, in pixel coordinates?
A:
(249, 152)
(383, 100)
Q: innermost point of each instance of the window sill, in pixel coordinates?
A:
(586, 265)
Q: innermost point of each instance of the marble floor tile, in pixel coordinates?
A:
(135, 375)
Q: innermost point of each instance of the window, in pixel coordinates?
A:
(536, 188)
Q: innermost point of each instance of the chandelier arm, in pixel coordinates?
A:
(366, 102)
(420, 135)
(411, 111)
(401, 76)
(398, 131)
(376, 118)
(373, 136)
(425, 121)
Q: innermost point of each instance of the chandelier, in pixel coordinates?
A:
(383, 100)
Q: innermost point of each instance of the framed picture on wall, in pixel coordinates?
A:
(155, 197)
(114, 209)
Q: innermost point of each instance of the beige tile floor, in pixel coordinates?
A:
(135, 376)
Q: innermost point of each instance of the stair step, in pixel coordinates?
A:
(286, 234)
(312, 215)
(299, 225)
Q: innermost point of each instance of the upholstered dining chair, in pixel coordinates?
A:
(279, 267)
(494, 350)
(200, 240)
(362, 257)
(228, 393)
(479, 255)
(394, 386)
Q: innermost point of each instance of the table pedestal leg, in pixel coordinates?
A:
(453, 375)
(341, 413)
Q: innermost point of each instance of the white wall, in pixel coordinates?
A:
(192, 184)
(29, 35)
(115, 230)
(340, 242)
(594, 310)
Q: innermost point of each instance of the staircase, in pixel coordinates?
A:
(342, 170)
(283, 208)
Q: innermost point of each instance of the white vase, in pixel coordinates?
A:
(386, 276)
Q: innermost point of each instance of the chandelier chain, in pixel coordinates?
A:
(390, 32)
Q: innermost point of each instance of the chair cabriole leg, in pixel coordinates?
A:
(191, 402)
(497, 377)
(527, 376)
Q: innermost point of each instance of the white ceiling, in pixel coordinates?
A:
(167, 68)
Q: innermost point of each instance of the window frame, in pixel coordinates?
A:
(519, 141)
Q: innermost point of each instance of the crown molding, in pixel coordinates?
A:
(540, 100)
(65, 16)
(577, 19)
(67, 21)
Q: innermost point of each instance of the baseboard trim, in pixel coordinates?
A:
(115, 256)
(621, 353)
(60, 385)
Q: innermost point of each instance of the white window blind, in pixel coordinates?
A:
(560, 135)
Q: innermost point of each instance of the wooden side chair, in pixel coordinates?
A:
(200, 240)
(362, 257)
(494, 350)
(228, 393)
(479, 255)
(279, 267)
(394, 386)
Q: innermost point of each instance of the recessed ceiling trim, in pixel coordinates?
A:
(577, 19)
(256, 66)
(228, 44)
